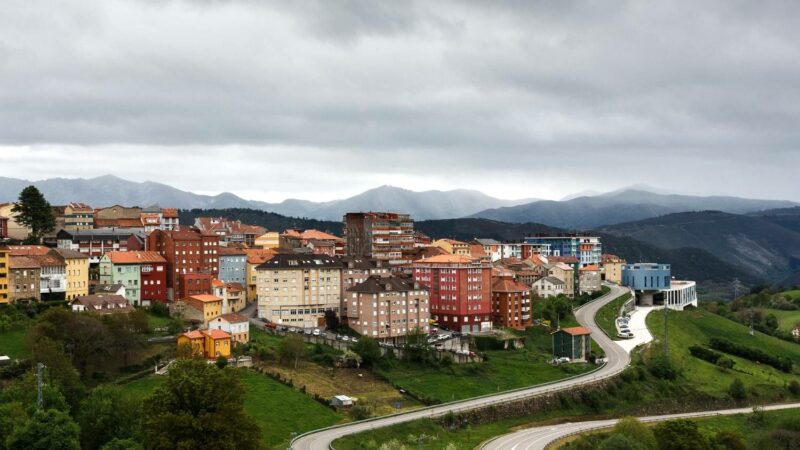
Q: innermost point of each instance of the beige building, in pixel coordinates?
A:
(548, 287)
(15, 230)
(453, 246)
(387, 307)
(612, 268)
(78, 216)
(589, 279)
(77, 271)
(297, 289)
(565, 273)
(270, 239)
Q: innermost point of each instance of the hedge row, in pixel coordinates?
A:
(726, 346)
(705, 354)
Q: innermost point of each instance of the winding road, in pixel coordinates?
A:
(539, 438)
(618, 359)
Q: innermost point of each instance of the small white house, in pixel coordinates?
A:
(237, 325)
(548, 287)
(340, 401)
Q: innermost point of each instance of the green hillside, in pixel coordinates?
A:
(697, 327)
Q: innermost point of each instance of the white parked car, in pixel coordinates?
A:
(316, 333)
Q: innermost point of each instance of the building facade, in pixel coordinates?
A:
(144, 275)
(13, 229)
(232, 265)
(511, 303)
(25, 276)
(588, 249)
(5, 275)
(565, 273)
(187, 252)
(296, 289)
(53, 270)
(612, 268)
(548, 287)
(380, 235)
(461, 291)
(77, 272)
(574, 343)
(387, 307)
(590, 279)
(236, 325)
(99, 241)
(78, 216)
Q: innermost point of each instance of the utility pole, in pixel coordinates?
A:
(666, 330)
(39, 399)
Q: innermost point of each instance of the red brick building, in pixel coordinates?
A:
(511, 302)
(188, 252)
(461, 291)
(195, 284)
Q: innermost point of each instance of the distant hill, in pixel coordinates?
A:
(751, 242)
(266, 219)
(109, 190)
(786, 217)
(622, 206)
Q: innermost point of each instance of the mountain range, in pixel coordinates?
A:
(582, 211)
(109, 190)
(627, 205)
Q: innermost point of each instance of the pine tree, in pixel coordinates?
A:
(35, 213)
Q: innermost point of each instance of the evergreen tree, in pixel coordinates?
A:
(35, 213)
(46, 430)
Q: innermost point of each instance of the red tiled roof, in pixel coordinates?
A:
(217, 334)
(564, 259)
(508, 284)
(233, 318)
(231, 251)
(23, 262)
(577, 331)
(205, 298)
(171, 213)
(447, 259)
(194, 334)
(590, 268)
(28, 250)
(259, 256)
(118, 223)
(234, 287)
(135, 257)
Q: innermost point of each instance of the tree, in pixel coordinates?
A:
(221, 362)
(621, 442)
(33, 211)
(681, 434)
(106, 414)
(368, 349)
(83, 336)
(23, 391)
(292, 348)
(59, 369)
(331, 320)
(736, 390)
(198, 406)
(729, 440)
(635, 431)
(771, 322)
(417, 348)
(46, 430)
(122, 444)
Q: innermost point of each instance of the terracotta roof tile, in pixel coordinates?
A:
(576, 331)
(135, 257)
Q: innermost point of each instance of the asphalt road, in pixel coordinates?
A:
(539, 438)
(618, 359)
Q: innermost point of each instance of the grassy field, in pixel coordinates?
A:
(14, 343)
(278, 409)
(504, 370)
(698, 327)
(608, 314)
(786, 319)
(435, 437)
(792, 294)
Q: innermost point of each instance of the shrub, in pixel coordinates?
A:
(736, 390)
(794, 387)
(752, 354)
(360, 412)
(729, 440)
(661, 367)
(698, 351)
(726, 363)
(681, 434)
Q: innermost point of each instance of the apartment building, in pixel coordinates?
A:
(77, 271)
(24, 280)
(387, 307)
(97, 242)
(144, 275)
(612, 268)
(5, 275)
(53, 270)
(461, 291)
(297, 289)
(188, 251)
(233, 265)
(356, 270)
(511, 302)
(380, 235)
(588, 249)
(78, 216)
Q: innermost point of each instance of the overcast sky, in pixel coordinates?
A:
(324, 99)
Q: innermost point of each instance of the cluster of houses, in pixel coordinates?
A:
(382, 278)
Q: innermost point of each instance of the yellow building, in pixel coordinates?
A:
(612, 268)
(452, 246)
(255, 257)
(15, 230)
(77, 270)
(206, 308)
(78, 216)
(209, 344)
(270, 239)
(5, 275)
